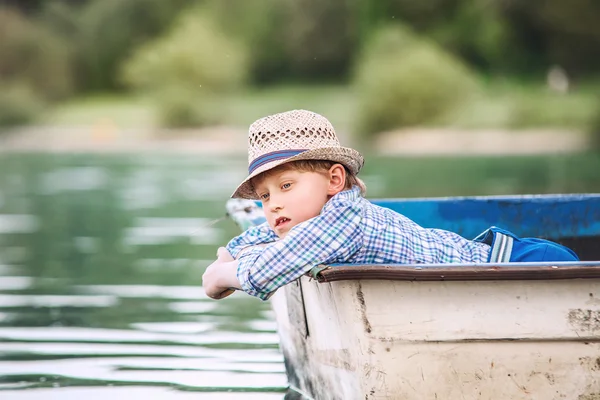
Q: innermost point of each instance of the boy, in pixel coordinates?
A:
(316, 214)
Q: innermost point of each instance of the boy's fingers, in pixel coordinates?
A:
(225, 293)
(222, 253)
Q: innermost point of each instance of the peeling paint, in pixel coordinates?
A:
(584, 320)
(591, 396)
(590, 363)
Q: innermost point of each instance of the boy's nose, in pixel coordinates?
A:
(274, 206)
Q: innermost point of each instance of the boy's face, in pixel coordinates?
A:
(290, 197)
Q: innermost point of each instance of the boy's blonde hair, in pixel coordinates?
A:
(319, 166)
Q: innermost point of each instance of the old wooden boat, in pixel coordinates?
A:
(415, 332)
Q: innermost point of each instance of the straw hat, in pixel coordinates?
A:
(292, 136)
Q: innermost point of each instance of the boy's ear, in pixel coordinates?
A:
(337, 179)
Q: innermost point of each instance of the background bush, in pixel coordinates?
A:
(195, 61)
(403, 80)
(293, 40)
(595, 130)
(33, 56)
(104, 33)
(179, 107)
(258, 26)
(537, 108)
(19, 105)
(564, 33)
(312, 40)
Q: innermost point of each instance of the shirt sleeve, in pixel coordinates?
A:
(259, 234)
(333, 236)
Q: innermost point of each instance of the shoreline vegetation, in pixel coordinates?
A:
(493, 123)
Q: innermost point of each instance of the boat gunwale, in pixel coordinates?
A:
(458, 272)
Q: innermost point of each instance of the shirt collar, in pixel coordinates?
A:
(345, 196)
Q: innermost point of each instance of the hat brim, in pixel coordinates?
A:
(348, 157)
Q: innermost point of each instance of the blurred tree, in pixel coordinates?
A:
(506, 35)
(25, 6)
(19, 104)
(403, 79)
(595, 131)
(257, 24)
(312, 40)
(183, 73)
(294, 39)
(104, 33)
(34, 56)
(475, 30)
(210, 62)
(321, 37)
(558, 32)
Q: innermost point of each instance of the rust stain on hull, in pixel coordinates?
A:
(363, 308)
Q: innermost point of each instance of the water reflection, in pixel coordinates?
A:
(101, 259)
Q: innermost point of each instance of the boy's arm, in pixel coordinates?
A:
(331, 237)
(257, 235)
(220, 278)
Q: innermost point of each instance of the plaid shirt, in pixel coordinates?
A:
(350, 229)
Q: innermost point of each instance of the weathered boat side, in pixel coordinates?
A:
(374, 339)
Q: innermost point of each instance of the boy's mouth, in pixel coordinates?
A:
(281, 221)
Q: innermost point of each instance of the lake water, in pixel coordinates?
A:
(101, 259)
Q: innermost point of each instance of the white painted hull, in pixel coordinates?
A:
(380, 339)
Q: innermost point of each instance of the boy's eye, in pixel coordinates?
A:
(264, 196)
(286, 185)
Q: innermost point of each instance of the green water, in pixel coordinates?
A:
(101, 258)
(101, 261)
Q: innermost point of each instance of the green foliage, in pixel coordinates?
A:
(522, 37)
(34, 56)
(293, 39)
(479, 33)
(195, 61)
(557, 32)
(404, 80)
(104, 33)
(19, 105)
(258, 25)
(320, 37)
(181, 107)
(195, 54)
(82, 44)
(475, 30)
(594, 130)
(538, 108)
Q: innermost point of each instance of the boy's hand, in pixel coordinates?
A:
(223, 255)
(220, 278)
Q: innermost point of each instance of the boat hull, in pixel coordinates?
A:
(381, 339)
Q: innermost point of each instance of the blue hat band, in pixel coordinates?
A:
(272, 156)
